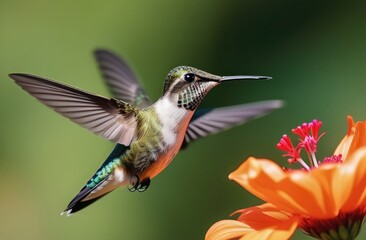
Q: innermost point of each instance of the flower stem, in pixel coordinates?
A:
(313, 157)
(303, 164)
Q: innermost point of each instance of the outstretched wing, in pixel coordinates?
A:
(121, 80)
(209, 121)
(110, 118)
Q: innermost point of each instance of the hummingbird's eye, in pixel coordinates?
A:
(189, 77)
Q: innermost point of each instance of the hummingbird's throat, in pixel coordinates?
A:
(192, 96)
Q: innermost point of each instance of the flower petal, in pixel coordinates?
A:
(227, 229)
(255, 223)
(262, 216)
(282, 231)
(354, 139)
(299, 192)
(349, 184)
(263, 178)
(343, 146)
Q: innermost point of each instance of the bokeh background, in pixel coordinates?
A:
(315, 51)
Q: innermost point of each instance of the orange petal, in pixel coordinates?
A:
(350, 182)
(262, 216)
(255, 223)
(268, 181)
(347, 140)
(282, 231)
(354, 139)
(299, 192)
(227, 229)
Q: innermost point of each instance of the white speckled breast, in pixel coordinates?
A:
(175, 121)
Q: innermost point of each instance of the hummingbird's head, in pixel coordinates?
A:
(187, 86)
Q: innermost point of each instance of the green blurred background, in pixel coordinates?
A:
(315, 51)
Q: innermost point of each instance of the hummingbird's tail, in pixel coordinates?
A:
(108, 177)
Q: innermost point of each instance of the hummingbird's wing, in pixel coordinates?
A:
(110, 118)
(209, 121)
(121, 80)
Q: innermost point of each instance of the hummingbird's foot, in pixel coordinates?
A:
(144, 184)
(135, 185)
(140, 186)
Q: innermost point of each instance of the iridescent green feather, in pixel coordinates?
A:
(108, 166)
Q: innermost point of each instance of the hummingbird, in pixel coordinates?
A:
(147, 135)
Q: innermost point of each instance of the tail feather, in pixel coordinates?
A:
(108, 177)
(79, 202)
(80, 206)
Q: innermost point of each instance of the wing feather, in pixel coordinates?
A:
(209, 121)
(110, 118)
(121, 80)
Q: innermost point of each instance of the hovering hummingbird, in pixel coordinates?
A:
(148, 136)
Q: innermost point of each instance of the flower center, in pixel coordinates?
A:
(308, 139)
(343, 226)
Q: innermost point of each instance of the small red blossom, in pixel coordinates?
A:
(333, 159)
(285, 145)
(309, 137)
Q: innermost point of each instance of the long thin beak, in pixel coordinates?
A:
(244, 77)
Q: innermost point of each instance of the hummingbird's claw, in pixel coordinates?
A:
(132, 189)
(136, 185)
(140, 186)
(144, 184)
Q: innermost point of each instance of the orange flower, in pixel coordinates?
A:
(327, 199)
